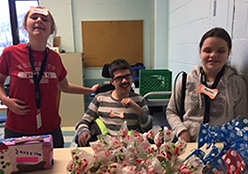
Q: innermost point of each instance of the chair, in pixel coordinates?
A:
(105, 74)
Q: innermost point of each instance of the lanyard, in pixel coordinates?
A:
(213, 86)
(37, 77)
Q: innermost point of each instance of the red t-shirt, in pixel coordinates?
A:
(15, 62)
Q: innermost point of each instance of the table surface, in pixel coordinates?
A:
(62, 156)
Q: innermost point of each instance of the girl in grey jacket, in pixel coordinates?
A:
(214, 94)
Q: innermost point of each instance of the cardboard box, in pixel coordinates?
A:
(57, 43)
(26, 154)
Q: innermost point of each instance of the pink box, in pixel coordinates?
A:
(26, 154)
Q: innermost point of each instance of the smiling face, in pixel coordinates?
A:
(122, 81)
(214, 54)
(39, 22)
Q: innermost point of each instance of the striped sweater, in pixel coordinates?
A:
(104, 106)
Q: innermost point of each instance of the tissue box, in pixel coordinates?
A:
(26, 154)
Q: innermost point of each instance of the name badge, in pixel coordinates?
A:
(212, 93)
(117, 114)
(38, 119)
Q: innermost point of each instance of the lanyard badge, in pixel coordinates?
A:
(38, 119)
(211, 93)
(114, 114)
(37, 78)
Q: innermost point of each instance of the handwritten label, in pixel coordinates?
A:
(212, 93)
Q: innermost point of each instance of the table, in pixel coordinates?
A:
(62, 156)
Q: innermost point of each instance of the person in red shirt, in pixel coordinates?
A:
(37, 77)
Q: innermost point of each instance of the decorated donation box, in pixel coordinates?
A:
(26, 154)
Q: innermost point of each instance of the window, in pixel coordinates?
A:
(21, 9)
(5, 28)
(10, 23)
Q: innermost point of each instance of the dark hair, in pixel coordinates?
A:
(53, 27)
(118, 64)
(217, 32)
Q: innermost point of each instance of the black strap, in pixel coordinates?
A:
(213, 86)
(37, 77)
(184, 80)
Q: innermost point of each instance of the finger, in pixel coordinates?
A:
(84, 142)
(88, 138)
(96, 86)
(20, 102)
(22, 112)
(81, 141)
(123, 101)
(85, 139)
(26, 107)
(19, 113)
(23, 109)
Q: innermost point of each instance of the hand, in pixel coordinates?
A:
(95, 88)
(128, 102)
(17, 106)
(184, 135)
(83, 139)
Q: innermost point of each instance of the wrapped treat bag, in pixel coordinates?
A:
(81, 162)
(151, 134)
(168, 152)
(193, 165)
(163, 136)
(130, 153)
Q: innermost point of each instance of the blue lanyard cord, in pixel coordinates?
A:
(37, 77)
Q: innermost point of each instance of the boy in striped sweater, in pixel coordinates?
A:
(110, 109)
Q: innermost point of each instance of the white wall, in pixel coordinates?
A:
(240, 36)
(190, 19)
(62, 13)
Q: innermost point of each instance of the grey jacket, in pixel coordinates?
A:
(230, 102)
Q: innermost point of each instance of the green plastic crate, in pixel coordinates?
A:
(155, 80)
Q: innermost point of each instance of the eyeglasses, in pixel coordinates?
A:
(120, 78)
